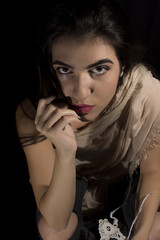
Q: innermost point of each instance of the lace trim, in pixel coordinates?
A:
(108, 230)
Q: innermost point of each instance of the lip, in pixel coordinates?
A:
(82, 109)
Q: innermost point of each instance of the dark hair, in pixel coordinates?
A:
(75, 19)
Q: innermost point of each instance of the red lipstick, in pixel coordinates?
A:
(82, 109)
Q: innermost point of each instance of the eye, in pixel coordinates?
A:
(63, 70)
(100, 70)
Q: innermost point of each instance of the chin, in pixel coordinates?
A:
(88, 118)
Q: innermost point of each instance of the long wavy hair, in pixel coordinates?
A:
(78, 19)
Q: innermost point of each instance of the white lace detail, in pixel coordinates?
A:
(108, 231)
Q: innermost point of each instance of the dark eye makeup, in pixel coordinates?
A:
(101, 69)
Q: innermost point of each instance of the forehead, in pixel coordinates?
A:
(82, 49)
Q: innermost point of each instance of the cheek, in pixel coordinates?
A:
(63, 82)
(108, 86)
(66, 88)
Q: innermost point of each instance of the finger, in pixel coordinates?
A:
(47, 113)
(52, 110)
(52, 115)
(58, 127)
(42, 105)
(63, 122)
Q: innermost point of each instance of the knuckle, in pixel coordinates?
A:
(47, 127)
(58, 111)
(38, 128)
(64, 119)
(51, 107)
(42, 101)
(42, 131)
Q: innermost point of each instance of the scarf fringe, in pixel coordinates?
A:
(152, 144)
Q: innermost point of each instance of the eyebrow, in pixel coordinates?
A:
(89, 66)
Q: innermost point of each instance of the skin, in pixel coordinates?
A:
(87, 81)
(52, 174)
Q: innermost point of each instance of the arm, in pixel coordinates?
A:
(149, 182)
(53, 183)
(52, 174)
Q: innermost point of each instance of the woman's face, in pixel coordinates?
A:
(88, 72)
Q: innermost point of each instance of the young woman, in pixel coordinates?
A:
(91, 136)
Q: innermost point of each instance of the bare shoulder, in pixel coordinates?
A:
(25, 114)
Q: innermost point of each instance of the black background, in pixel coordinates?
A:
(19, 23)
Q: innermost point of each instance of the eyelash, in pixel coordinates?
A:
(58, 69)
(107, 68)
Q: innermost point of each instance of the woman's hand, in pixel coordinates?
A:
(53, 121)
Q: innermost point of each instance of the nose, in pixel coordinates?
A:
(83, 87)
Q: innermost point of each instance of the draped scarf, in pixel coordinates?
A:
(116, 143)
(125, 132)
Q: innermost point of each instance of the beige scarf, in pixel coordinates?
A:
(128, 129)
